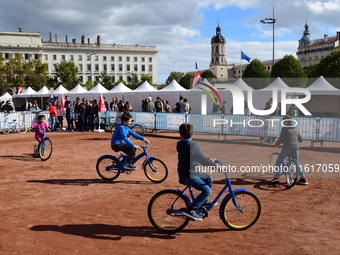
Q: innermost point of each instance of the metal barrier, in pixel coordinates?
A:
(316, 129)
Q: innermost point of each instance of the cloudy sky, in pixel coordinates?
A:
(180, 29)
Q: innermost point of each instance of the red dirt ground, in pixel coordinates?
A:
(61, 206)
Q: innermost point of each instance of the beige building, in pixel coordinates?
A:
(119, 61)
(312, 51)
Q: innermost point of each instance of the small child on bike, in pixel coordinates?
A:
(189, 155)
(39, 127)
(290, 137)
(120, 140)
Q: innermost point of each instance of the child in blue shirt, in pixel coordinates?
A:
(189, 155)
(120, 140)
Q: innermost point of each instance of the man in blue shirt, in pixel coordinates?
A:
(120, 140)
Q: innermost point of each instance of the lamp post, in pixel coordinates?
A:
(270, 21)
(90, 54)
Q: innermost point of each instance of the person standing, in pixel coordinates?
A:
(180, 105)
(54, 114)
(158, 105)
(151, 105)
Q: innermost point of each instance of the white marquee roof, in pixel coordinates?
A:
(145, 87)
(98, 89)
(120, 88)
(77, 89)
(60, 90)
(173, 86)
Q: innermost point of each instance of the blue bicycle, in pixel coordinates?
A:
(110, 167)
(44, 148)
(240, 209)
(290, 168)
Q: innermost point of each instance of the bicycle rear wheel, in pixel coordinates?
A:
(21, 127)
(107, 168)
(138, 129)
(239, 220)
(292, 173)
(155, 170)
(163, 211)
(45, 149)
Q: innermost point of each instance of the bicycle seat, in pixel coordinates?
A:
(14, 120)
(182, 182)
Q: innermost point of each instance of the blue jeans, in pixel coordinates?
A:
(295, 155)
(53, 123)
(201, 182)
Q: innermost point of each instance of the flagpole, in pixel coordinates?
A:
(241, 63)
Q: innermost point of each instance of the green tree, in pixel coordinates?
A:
(67, 73)
(146, 78)
(16, 70)
(177, 76)
(36, 74)
(256, 75)
(106, 80)
(290, 71)
(3, 84)
(329, 67)
(186, 80)
(132, 81)
(207, 74)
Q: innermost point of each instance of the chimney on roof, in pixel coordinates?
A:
(20, 29)
(66, 38)
(338, 35)
(56, 38)
(325, 37)
(50, 37)
(83, 39)
(74, 40)
(88, 41)
(98, 39)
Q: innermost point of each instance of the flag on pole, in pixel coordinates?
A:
(19, 90)
(197, 67)
(197, 76)
(62, 102)
(102, 107)
(245, 57)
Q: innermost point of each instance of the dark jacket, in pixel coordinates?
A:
(290, 137)
(189, 155)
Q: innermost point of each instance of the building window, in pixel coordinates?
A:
(80, 67)
(89, 78)
(135, 59)
(104, 58)
(150, 68)
(105, 67)
(302, 57)
(135, 68)
(80, 57)
(54, 67)
(128, 67)
(112, 58)
(96, 67)
(150, 59)
(143, 59)
(88, 67)
(88, 57)
(113, 78)
(310, 56)
(143, 68)
(6, 55)
(316, 55)
(120, 78)
(80, 78)
(71, 57)
(27, 56)
(62, 57)
(128, 59)
(54, 57)
(96, 57)
(120, 58)
(216, 49)
(120, 67)
(322, 54)
(36, 56)
(112, 67)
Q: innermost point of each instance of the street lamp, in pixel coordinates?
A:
(270, 21)
(90, 54)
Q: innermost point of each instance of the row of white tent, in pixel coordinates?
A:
(320, 87)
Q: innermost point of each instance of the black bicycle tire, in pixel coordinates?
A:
(99, 172)
(43, 152)
(153, 179)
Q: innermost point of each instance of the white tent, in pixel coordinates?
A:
(60, 90)
(145, 87)
(278, 83)
(43, 92)
(242, 85)
(29, 92)
(120, 88)
(77, 89)
(5, 97)
(173, 86)
(322, 87)
(98, 89)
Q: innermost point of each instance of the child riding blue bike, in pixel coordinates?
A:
(120, 140)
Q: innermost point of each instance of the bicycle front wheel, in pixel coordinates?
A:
(163, 211)
(292, 173)
(250, 211)
(6, 131)
(45, 149)
(107, 168)
(138, 129)
(21, 127)
(155, 170)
